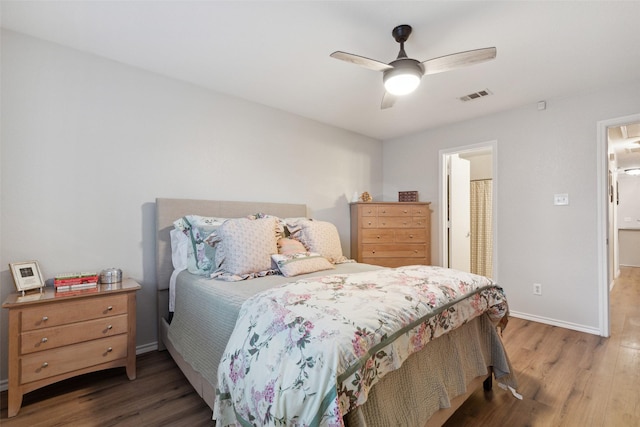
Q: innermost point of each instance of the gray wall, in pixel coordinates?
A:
(88, 144)
(539, 154)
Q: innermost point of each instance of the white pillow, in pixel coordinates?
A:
(179, 248)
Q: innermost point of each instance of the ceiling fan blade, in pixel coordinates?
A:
(371, 64)
(387, 100)
(458, 60)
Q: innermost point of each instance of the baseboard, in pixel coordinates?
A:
(555, 322)
(144, 348)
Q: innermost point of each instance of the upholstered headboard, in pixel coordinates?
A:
(168, 210)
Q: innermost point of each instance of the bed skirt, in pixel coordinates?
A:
(429, 387)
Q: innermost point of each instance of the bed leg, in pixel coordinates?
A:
(487, 384)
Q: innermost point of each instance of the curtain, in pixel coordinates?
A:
(481, 228)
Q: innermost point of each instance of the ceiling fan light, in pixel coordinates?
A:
(403, 79)
(402, 84)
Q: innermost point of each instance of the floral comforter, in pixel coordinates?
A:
(306, 353)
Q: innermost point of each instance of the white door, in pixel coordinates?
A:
(459, 213)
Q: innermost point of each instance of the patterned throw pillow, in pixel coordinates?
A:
(318, 236)
(200, 255)
(244, 247)
(300, 263)
(288, 246)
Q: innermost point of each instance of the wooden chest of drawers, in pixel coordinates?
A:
(54, 337)
(391, 234)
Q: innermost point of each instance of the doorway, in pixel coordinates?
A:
(606, 221)
(458, 233)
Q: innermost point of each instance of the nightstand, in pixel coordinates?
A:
(53, 336)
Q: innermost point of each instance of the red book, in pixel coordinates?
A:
(75, 281)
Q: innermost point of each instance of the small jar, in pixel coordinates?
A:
(111, 275)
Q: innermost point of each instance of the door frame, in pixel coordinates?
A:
(602, 221)
(443, 235)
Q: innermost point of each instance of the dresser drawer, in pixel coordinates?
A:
(409, 235)
(49, 363)
(46, 338)
(394, 211)
(395, 222)
(395, 262)
(369, 211)
(422, 211)
(378, 236)
(369, 222)
(78, 310)
(394, 251)
(418, 222)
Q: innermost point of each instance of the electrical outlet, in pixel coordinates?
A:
(537, 289)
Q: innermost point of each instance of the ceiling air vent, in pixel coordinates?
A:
(476, 95)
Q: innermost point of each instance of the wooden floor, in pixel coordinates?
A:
(567, 378)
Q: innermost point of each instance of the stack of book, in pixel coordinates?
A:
(75, 282)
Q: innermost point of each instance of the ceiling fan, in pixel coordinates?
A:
(402, 76)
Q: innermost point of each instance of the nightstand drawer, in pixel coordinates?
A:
(49, 363)
(63, 312)
(47, 338)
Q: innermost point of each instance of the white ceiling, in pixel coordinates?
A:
(276, 53)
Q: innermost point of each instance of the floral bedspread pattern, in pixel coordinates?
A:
(306, 353)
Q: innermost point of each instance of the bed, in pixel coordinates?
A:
(425, 390)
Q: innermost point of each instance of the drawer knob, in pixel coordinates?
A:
(369, 222)
(110, 327)
(373, 252)
(45, 364)
(404, 223)
(110, 308)
(411, 236)
(45, 339)
(109, 350)
(415, 251)
(377, 237)
(404, 211)
(45, 318)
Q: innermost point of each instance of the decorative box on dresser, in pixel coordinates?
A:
(55, 336)
(391, 234)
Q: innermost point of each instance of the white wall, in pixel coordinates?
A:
(88, 144)
(540, 153)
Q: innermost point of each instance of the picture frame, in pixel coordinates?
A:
(26, 275)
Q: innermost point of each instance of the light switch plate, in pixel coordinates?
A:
(561, 199)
